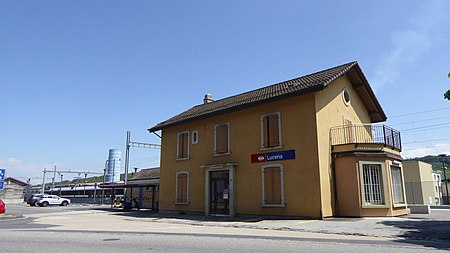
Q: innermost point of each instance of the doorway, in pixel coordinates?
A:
(219, 193)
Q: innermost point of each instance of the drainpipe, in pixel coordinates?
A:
(333, 167)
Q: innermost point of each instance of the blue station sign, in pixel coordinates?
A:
(2, 174)
(2, 184)
(273, 156)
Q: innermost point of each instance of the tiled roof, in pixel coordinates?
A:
(151, 173)
(302, 85)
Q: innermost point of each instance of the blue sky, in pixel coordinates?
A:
(76, 75)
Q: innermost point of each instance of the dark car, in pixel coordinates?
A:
(2, 206)
(33, 199)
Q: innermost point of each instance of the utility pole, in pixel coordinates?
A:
(127, 155)
(84, 185)
(53, 181)
(127, 161)
(104, 176)
(445, 178)
(60, 187)
(43, 182)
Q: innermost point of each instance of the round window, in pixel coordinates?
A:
(346, 96)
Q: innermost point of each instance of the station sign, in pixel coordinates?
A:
(2, 185)
(273, 156)
(2, 174)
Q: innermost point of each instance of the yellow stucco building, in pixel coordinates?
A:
(303, 147)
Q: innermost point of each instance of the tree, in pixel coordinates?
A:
(447, 93)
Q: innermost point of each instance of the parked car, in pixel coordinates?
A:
(49, 200)
(2, 206)
(33, 199)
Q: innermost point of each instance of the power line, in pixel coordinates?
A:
(445, 139)
(412, 122)
(414, 113)
(427, 147)
(424, 127)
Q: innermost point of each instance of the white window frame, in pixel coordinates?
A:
(386, 203)
(263, 198)
(188, 144)
(398, 165)
(187, 188)
(228, 140)
(195, 134)
(263, 129)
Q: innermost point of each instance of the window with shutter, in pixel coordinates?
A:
(273, 189)
(271, 130)
(183, 145)
(222, 139)
(182, 189)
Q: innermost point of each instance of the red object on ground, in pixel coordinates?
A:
(2, 206)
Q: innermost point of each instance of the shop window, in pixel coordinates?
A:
(271, 130)
(183, 146)
(222, 139)
(397, 185)
(182, 190)
(273, 186)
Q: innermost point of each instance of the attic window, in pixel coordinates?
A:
(346, 97)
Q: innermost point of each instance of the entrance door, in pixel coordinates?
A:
(219, 192)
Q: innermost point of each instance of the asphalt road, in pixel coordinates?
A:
(85, 229)
(88, 241)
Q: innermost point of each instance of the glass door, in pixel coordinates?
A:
(219, 193)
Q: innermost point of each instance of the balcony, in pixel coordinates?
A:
(379, 135)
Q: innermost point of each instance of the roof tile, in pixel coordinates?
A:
(301, 85)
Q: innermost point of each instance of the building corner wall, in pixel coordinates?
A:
(331, 111)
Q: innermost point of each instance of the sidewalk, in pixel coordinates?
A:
(434, 226)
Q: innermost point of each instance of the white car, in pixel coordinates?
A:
(47, 200)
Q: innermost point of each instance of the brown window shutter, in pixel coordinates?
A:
(272, 185)
(182, 188)
(184, 193)
(276, 183)
(268, 187)
(185, 145)
(222, 139)
(180, 146)
(273, 131)
(265, 130)
(179, 188)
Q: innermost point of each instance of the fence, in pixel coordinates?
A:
(366, 134)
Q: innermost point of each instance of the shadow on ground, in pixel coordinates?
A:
(423, 232)
(155, 215)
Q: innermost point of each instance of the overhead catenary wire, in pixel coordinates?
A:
(421, 112)
(425, 127)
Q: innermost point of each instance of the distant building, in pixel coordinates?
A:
(144, 186)
(419, 183)
(13, 192)
(437, 187)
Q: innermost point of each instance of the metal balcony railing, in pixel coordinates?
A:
(366, 134)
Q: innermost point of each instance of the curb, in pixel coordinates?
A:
(11, 217)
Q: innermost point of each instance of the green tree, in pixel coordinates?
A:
(447, 93)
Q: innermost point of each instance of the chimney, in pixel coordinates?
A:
(208, 98)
